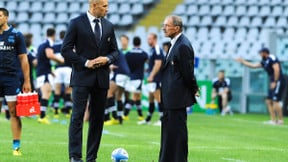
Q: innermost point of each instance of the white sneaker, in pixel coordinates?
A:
(143, 122)
(270, 122)
(280, 122)
(158, 123)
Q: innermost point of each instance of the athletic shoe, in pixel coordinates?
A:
(43, 120)
(111, 122)
(270, 122)
(157, 123)
(143, 122)
(17, 152)
(56, 116)
(125, 117)
(140, 118)
(280, 122)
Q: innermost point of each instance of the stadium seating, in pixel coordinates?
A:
(217, 28)
(36, 15)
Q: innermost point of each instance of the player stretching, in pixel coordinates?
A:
(154, 78)
(62, 77)
(277, 83)
(12, 47)
(136, 59)
(44, 73)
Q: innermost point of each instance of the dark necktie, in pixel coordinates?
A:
(97, 31)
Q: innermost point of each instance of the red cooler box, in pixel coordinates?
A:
(27, 104)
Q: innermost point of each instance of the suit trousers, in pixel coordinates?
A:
(97, 100)
(174, 136)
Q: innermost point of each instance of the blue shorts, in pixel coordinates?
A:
(9, 86)
(277, 93)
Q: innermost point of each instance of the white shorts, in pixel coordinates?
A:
(151, 87)
(41, 80)
(121, 80)
(134, 86)
(63, 75)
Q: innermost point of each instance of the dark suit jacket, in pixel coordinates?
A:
(80, 44)
(179, 85)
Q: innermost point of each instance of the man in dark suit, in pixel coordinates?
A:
(177, 92)
(90, 45)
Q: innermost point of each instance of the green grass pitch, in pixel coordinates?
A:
(212, 138)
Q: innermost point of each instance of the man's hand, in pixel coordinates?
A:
(100, 61)
(272, 85)
(150, 79)
(240, 60)
(113, 67)
(26, 87)
(91, 64)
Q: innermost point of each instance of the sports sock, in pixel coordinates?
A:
(151, 109)
(160, 109)
(128, 107)
(68, 103)
(16, 144)
(56, 103)
(43, 108)
(139, 107)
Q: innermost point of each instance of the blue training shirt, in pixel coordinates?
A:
(12, 44)
(268, 63)
(122, 65)
(44, 65)
(57, 51)
(136, 59)
(156, 54)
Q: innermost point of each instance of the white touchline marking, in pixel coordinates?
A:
(230, 159)
(257, 122)
(155, 143)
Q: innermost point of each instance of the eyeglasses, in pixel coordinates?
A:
(167, 26)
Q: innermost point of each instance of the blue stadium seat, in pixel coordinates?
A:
(74, 7)
(252, 11)
(228, 10)
(220, 21)
(192, 10)
(206, 20)
(49, 17)
(204, 10)
(194, 21)
(113, 8)
(36, 6)
(277, 11)
(22, 17)
(270, 22)
(282, 22)
(126, 20)
(115, 18)
(124, 8)
(240, 10)
(180, 9)
(264, 11)
(60, 27)
(12, 5)
(23, 6)
(61, 6)
(244, 21)
(62, 18)
(37, 17)
(24, 27)
(256, 22)
(137, 9)
(216, 10)
(48, 6)
(232, 21)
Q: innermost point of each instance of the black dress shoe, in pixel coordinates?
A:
(75, 160)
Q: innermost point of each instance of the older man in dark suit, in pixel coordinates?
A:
(178, 92)
(90, 45)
